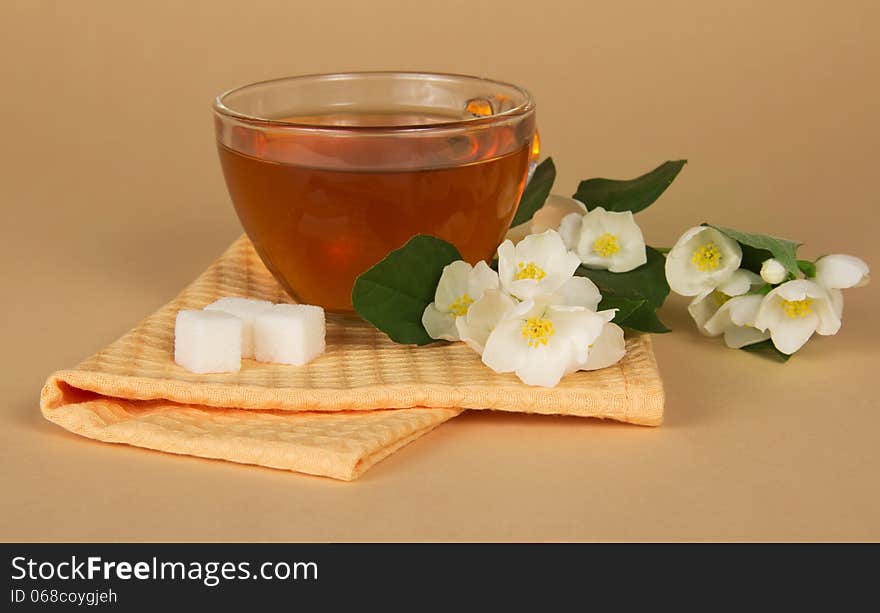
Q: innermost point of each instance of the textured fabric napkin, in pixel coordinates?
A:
(363, 399)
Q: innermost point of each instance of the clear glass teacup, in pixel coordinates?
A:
(329, 173)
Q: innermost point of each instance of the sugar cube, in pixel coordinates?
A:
(289, 334)
(246, 309)
(207, 341)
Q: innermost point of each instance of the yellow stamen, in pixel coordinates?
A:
(606, 245)
(797, 308)
(529, 271)
(707, 258)
(719, 298)
(537, 331)
(461, 305)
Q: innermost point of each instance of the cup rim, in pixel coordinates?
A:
(524, 108)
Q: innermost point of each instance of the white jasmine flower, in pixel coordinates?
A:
(735, 319)
(839, 271)
(836, 301)
(707, 304)
(608, 348)
(701, 260)
(538, 265)
(541, 343)
(482, 317)
(606, 240)
(577, 291)
(794, 311)
(570, 230)
(484, 314)
(773, 272)
(460, 286)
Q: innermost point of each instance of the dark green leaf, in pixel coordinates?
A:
(625, 307)
(632, 195)
(768, 350)
(753, 258)
(807, 267)
(639, 315)
(645, 319)
(648, 281)
(393, 294)
(637, 293)
(536, 192)
(759, 247)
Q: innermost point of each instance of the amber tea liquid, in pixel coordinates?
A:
(317, 229)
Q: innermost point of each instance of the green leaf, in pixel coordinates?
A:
(632, 195)
(637, 293)
(759, 247)
(625, 307)
(645, 319)
(768, 350)
(648, 281)
(536, 192)
(393, 294)
(807, 267)
(638, 315)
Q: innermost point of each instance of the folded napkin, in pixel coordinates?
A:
(363, 399)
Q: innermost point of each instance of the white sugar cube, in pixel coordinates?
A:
(246, 309)
(289, 334)
(207, 341)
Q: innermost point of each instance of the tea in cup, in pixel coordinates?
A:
(329, 173)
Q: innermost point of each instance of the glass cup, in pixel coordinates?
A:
(329, 173)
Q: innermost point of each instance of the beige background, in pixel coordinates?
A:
(113, 199)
